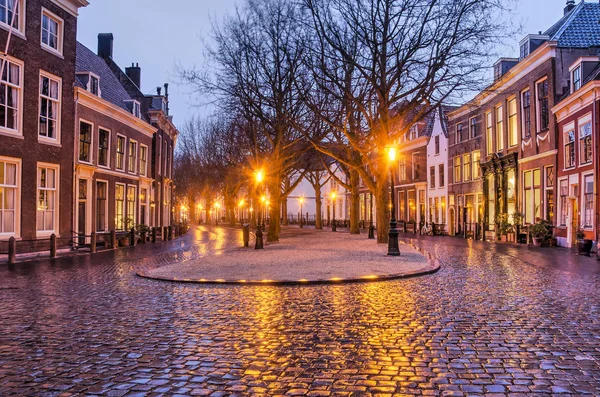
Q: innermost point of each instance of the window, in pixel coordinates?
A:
(47, 183)
(143, 160)
(585, 143)
(52, 31)
(569, 149)
(549, 193)
(489, 134)
(10, 95)
(11, 12)
(119, 206)
(532, 195)
(143, 205)
(101, 224)
(441, 174)
(457, 169)
(588, 201)
(437, 144)
(527, 197)
(431, 210)
(120, 152)
(466, 167)
(432, 177)
(564, 200)
(415, 166)
(499, 128)
(475, 164)
(85, 141)
(491, 202)
(132, 156)
(131, 205)
(402, 205)
(9, 191)
(159, 148)
(526, 113)
(94, 85)
(512, 123)
(435, 209)
(49, 107)
(473, 127)
(443, 202)
(412, 206)
(413, 132)
(543, 112)
(402, 168)
(459, 132)
(576, 78)
(103, 147)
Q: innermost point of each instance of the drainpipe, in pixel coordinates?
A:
(595, 159)
(75, 162)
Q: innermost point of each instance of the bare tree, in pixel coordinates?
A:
(385, 63)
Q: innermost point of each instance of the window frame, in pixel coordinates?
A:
(436, 145)
(472, 127)
(432, 177)
(526, 114)
(60, 34)
(538, 107)
(581, 122)
(499, 118)
(22, 19)
(135, 156)
(466, 161)
(489, 133)
(91, 143)
(41, 138)
(567, 131)
(18, 131)
(475, 165)
(18, 189)
(135, 202)
(576, 85)
(415, 166)
(124, 166)
(106, 184)
(123, 206)
(441, 175)
(145, 168)
(107, 166)
(513, 116)
(457, 167)
(584, 195)
(56, 190)
(458, 134)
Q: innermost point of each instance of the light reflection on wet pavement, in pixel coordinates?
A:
(486, 323)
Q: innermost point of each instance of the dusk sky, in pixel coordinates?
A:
(160, 35)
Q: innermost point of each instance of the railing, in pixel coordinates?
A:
(89, 242)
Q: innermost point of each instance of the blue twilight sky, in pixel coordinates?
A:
(159, 35)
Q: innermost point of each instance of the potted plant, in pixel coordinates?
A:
(584, 245)
(143, 231)
(539, 232)
(517, 219)
(503, 226)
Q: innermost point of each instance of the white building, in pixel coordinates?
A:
(437, 172)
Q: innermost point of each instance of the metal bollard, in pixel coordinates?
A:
(170, 232)
(153, 235)
(246, 234)
(165, 236)
(12, 250)
(113, 239)
(53, 246)
(143, 236)
(333, 226)
(93, 243)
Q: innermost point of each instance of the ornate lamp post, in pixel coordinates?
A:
(241, 211)
(371, 227)
(217, 213)
(259, 177)
(393, 249)
(301, 199)
(333, 225)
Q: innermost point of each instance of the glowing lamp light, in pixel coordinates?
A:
(260, 176)
(392, 153)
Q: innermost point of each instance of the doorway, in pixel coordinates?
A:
(451, 229)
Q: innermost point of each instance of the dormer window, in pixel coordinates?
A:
(134, 107)
(576, 78)
(413, 132)
(94, 85)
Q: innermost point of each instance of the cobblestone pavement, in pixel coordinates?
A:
(493, 321)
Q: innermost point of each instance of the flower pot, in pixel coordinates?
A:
(537, 241)
(123, 242)
(584, 247)
(503, 238)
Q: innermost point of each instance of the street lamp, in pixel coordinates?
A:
(371, 227)
(333, 226)
(217, 207)
(393, 249)
(241, 211)
(301, 199)
(259, 177)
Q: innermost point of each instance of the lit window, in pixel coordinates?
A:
(47, 182)
(564, 200)
(103, 147)
(52, 31)
(467, 167)
(569, 138)
(499, 128)
(132, 155)
(512, 123)
(475, 164)
(489, 134)
(119, 206)
(588, 202)
(9, 190)
(85, 141)
(49, 107)
(120, 153)
(101, 224)
(457, 169)
(131, 193)
(10, 96)
(585, 143)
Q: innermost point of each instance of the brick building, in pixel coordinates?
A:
(124, 151)
(37, 117)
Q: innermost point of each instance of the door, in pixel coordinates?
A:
(451, 229)
(81, 223)
(574, 224)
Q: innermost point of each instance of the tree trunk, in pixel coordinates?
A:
(284, 211)
(274, 213)
(229, 209)
(382, 199)
(318, 208)
(354, 203)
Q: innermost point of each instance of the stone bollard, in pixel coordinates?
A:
(153, 235)
(165, 235)
(170, 232)
(246, 234)
(143, 236)
(12, 250)
(93, 243)
(53, 246)
(113, 239)
(132, 237)
(333, 226)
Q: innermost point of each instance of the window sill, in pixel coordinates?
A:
(45, 233)
(11, 134)
(85, 162)
(104, 167)
(49, 141)
(570, 168)
(15, 32)
(585, 164)
(52, 51)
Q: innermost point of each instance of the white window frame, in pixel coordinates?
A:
(22, 20)
(574, 85)
(569, 128)
(538, 111)
(60, 34)
(159, 144)
(78, 137)
(56, 214)
(499, 124)
(124, 153)
(144, 170)
(471, 125)
(516, 126)
(89, 84)
(475, 165)
(525, 133)
(41, 138)
(135, 203)
(413, 165)
(18, 131)
(108, 162)
(18, 187)
(95, 203)
(135, 158)
(123, 221)
(587, 119)
(489, 133)
(583, 203)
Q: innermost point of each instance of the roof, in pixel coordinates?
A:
(111, 89)
(578, 28)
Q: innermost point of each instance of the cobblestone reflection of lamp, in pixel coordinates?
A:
(393, 249)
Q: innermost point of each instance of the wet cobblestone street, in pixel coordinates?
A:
(495, 320)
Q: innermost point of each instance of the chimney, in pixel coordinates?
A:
(158, 89)
(570, 6)
(134, 72)
(105, 45)
(167, 98)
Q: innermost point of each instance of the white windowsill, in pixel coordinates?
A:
(49, 141)
(52, 51)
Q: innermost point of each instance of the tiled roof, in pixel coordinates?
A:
(580, 28)
(111, 88)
